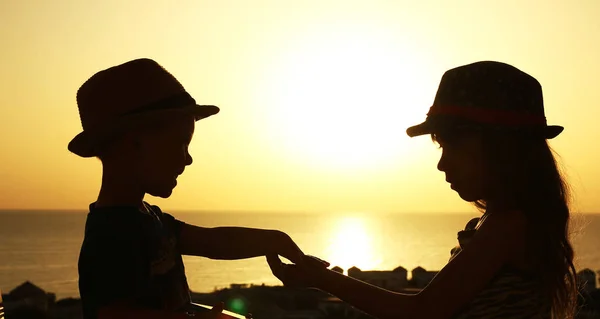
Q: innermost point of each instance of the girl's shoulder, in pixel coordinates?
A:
(509, 227)
(513, 220)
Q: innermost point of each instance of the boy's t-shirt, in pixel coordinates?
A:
(132, 256)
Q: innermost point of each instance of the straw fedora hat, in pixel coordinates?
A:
(489, 95)
(125, 96)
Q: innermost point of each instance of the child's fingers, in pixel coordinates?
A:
(273, 260)
(295, 255)
(275, 264)
(314, 261)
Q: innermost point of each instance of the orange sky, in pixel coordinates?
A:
(315, 95)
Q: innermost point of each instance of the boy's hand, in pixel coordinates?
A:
(312, 261)
(286, 247)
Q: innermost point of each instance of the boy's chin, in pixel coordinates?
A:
(163, 193)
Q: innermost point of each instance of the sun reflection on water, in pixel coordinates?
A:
(351, 244)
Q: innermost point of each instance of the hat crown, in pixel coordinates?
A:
(123, 89)
(490, 85)
(489, 95)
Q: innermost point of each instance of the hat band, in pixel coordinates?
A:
(489, 116)
(170, 102)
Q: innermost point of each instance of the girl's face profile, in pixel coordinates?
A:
(462, 162)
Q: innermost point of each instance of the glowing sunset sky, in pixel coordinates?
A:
(315, 96)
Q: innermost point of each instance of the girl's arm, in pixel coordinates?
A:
(494, 245)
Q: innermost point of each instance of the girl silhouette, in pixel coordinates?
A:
(517, 262)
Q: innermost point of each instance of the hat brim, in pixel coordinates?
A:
(85, 143)
(429, 127)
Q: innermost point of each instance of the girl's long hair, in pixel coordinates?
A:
(523, 172)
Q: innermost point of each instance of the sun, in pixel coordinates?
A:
(351, 245)
(345, 100)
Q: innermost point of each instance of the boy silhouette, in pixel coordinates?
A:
(139, 120)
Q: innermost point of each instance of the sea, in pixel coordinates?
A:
(43, 246)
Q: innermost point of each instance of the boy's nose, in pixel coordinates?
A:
(441, 166)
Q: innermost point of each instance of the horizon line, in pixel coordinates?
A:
(265, 212)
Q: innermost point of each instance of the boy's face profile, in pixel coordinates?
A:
(160, 155)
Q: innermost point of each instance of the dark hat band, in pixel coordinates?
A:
(489, 116)
(170, 102)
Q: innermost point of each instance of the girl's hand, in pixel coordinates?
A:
(297, 276)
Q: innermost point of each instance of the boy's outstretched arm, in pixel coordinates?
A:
(236, 243)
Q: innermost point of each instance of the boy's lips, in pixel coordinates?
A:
(452, 183)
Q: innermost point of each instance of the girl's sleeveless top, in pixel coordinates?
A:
(512, 293)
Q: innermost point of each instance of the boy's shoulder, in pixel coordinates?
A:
(126, 219)
(157, 211)
(125, 210)
(115, 220)
(154, 208)
(164, 216)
